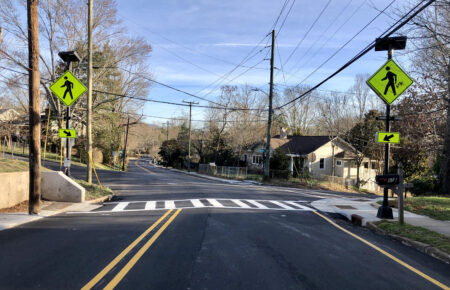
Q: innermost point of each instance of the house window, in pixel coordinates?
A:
(322, 163)
(256, 159)
(338, 162)
(366, 164)
(245, 157)
(374, 165)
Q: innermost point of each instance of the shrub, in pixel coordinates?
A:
(425, 185)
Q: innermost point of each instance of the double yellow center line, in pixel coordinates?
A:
(113, 283)
(145, 169)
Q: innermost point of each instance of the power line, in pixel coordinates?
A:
(279, 14)
(220, 80)
(308, 31)
(387, 33)
(338, 15)
(177, 104)
(348, 41)
(331, 36)
(183, 46)
(244, 60)
(285, 17)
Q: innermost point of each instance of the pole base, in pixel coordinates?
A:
(385, 212)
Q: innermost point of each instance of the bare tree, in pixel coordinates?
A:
(336, 118)
(429, 50)
(300, 116)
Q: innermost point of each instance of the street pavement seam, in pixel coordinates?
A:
(397, 260)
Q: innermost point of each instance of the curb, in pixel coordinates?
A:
(101, 199)
(215, 178)
(422, 247)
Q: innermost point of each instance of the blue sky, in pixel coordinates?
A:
(196, 42)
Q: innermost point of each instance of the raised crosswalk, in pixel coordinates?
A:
(248, 204)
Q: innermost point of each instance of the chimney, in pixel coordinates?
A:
(283, 133)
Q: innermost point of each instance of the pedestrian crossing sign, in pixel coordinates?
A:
(68, 88)
(389, 82)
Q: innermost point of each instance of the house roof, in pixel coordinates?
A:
(346, 155)
(303, 145)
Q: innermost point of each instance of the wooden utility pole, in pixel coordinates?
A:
(190, 123)
(269, 121)
(89, 96)
(167, 131)
(125, 146)
(34, 201)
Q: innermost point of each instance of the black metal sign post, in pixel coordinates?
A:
(389, 44)
(385, 211)
(68, 57)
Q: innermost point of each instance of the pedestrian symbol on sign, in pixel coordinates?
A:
(392, 79)
(389, 82)
(69, 86)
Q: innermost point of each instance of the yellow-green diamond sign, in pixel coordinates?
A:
(67, 133)
(68, 88)
(389, 82)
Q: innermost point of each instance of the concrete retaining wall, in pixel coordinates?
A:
(13, 188)
(55, 186)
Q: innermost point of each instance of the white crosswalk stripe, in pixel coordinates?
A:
(214, 202)
(246, 204)
(120, 206)
(196, 203)
(240, 203)
(150, 205)
(297, 205)
(281, 204)
(170, 204)
(254, 202)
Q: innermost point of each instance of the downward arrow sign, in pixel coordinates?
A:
(388, 137)
(68, 133)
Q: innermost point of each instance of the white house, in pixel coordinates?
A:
(315, 155)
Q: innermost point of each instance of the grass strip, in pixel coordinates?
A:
(417, 234)
(94, 191)
(12, 165)
(436, 207)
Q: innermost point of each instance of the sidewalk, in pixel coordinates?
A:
(366, 210)
(49, 208)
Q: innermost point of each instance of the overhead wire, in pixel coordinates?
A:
(331, 24)
(347, 42)
(308, 31)
(247, 57)
(177, 104)
(330, 37)
(391, 30)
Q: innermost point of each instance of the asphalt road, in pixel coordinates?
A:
(170, 230)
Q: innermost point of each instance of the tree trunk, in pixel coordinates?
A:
(358, 179)
(445, 166)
